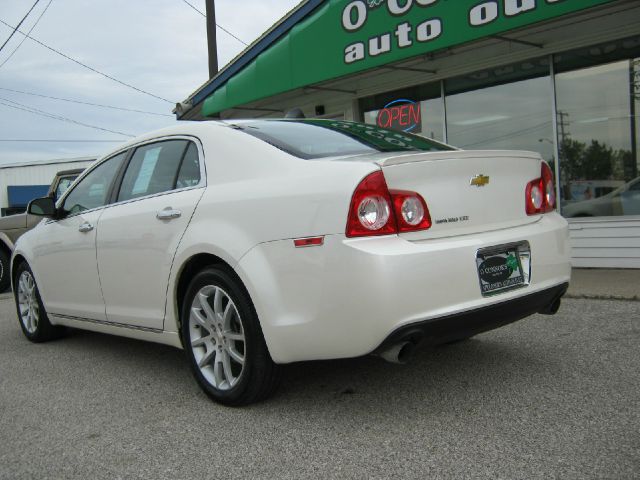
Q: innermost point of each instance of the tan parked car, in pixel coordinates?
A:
(13, 226)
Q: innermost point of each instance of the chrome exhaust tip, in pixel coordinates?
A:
(399, 353)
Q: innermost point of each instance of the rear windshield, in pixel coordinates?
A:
(310, 139)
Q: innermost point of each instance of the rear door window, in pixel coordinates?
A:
(189, 175)
(160, 167)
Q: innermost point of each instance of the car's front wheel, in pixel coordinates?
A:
(31, 313)
(224, 342)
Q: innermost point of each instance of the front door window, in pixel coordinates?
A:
(93, 190)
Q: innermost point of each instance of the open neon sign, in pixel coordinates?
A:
(402, 114)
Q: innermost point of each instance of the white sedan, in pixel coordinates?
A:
(263, 242)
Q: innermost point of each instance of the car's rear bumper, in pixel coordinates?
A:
(467, 324)
(344, 298)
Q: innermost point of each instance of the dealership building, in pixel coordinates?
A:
(560, 77)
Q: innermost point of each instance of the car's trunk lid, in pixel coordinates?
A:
(466, 191)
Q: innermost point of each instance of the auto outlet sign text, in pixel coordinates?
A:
(403, 34)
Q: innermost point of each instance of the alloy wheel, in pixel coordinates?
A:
(28, 306)
(217, 337)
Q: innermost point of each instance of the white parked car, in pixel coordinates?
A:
(624, 200)
(263, 242)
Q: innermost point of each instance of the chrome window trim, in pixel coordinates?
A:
(154, 195)
(201, 184)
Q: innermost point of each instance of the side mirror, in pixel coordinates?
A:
(42, 207)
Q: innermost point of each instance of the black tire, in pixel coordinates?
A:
(5, 276)
(43, 331)
(259, 375)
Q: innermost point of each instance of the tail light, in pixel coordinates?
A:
(370, 212)
(411, 211)
(540, 194)
(376, 210)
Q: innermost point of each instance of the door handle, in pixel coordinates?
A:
(168, 214)
(85, 227)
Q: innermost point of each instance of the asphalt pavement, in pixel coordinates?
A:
(547, 397)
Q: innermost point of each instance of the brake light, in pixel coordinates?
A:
(375, 210)
(370, 212)
(411, 210)
(540, 194)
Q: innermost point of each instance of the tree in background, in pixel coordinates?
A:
(597, 161)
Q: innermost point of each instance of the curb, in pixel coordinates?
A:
(589, 296)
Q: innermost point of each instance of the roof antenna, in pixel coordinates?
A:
(295, 113)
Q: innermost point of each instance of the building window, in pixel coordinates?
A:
(505, 108)
(597, 109)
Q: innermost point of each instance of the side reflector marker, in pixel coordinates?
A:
(309, 242)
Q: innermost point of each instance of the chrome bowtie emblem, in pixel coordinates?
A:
(479, 180)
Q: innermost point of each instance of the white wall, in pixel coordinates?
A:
(34, 174)
(605, 242)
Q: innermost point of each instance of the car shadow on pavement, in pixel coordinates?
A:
(478, 368)
(444, 370)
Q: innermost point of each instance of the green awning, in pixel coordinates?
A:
(344, 37)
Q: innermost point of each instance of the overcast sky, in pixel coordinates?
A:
(158, 46)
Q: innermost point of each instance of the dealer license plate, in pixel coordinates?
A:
(501, 268)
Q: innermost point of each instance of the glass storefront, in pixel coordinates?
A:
(512, 107)
(507, 108)
(597, 109)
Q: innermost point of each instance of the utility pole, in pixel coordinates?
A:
(631, 164)
(562, 119)
(563, 125)
(212, 42)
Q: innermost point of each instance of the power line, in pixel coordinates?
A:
(42, 113)
(229, 33)
(196, 9)
(86, 103)
(217, 25)
(494, 123)
(515, 133)
(14, 30)
(28, 33)
(35, 111)
(87, 66)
